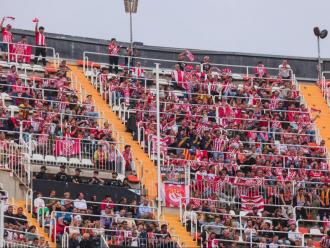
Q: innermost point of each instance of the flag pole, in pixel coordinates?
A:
(159, 196)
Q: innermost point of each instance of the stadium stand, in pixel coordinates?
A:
(243, 138)
(241, 152)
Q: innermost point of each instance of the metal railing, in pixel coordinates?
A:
(16, 57)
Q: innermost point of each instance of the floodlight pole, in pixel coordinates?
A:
(2, 216)
(319, 58)
(131, 24)
(159, 183)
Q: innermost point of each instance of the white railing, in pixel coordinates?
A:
(238, 69)
(325, 87)
(16, 57)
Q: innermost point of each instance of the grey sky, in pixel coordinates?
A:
(254, 26)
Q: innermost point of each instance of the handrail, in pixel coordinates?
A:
(54, 57)
(215, 242)
(46, 100)
(85, 53)
(54, 214)
(250, 153)
(214, 106)
(240, 130)
(98, 203)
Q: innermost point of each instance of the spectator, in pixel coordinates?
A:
(32, 234)
(106, 203)
(325, 241)
(128, 157)
(86, 241)
(114, 181)
(96, 179)
(7, 37)
(42, 173)
(144, 210)
(77, 178)
(12, 77)
(22, 219)
(260, 71)
(284, 70)
(89, 106)
(80, 202)
(299, 201)
(293, 236)
(61, 175)
(10, 216)
(113, 56)
(206, 66)
(40, 43)
(101, 158)
(129, 57)
(73, 241)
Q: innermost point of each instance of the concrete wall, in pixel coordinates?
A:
(11, 184)
(72, 47)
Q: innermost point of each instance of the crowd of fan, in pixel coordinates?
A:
(17, 229)
(131, 224)
(263, 141)
(49, 109)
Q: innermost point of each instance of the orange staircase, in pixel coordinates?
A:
(314, 99)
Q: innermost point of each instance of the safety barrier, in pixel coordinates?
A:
(122, 238)
(167, 65)
(325, 87)
(23, 58)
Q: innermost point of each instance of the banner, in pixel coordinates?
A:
(249, 202)
(190, 56)
(173, 192)
(67, 147)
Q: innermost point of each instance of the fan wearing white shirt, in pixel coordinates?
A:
(293, 236)
(80, 202)
(38, 202)
(284, 70)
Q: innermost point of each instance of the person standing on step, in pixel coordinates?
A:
(113, 55)
(40, 42)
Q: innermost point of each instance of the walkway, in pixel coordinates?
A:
(314, 99)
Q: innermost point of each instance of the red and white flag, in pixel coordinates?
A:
(249, 202)
(190, 56)
(173, 194)
(67, 147)
(163, 144)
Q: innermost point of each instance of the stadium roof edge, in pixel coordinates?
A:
(159, 48)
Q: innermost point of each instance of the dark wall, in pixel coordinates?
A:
(72, 47)
(116, 193)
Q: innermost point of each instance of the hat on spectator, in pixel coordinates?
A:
(43, 167)
(78, 169)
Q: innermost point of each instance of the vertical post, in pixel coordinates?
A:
(2, 222)
(158, 142)
(319, 58)
(130, 32)
(131, 25)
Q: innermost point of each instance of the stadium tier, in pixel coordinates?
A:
(243, 158)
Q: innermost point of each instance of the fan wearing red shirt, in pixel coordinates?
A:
(40, 43)
(113, 55)
(7, 37)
